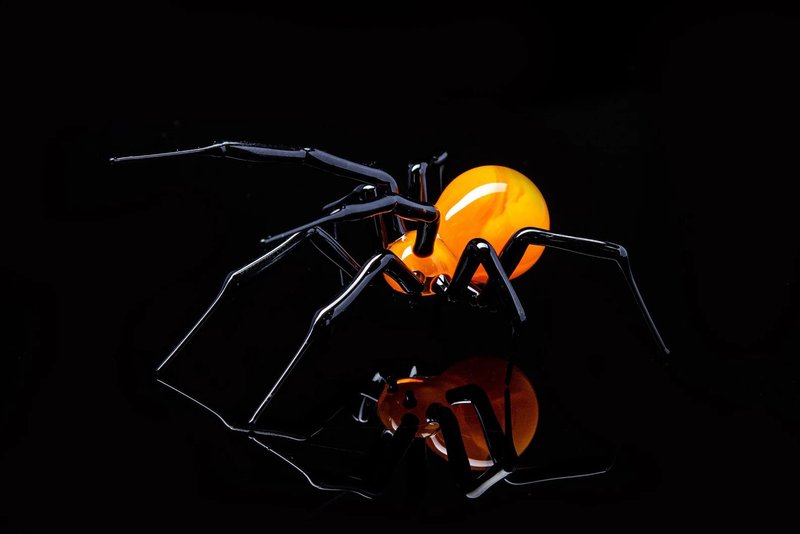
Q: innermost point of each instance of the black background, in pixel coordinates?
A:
(669, 128)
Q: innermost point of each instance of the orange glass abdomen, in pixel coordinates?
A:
(491, 202)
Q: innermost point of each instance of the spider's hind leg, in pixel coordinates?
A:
(514, 250)
(374, 268)
(318, 237)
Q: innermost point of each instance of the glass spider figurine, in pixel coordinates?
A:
(489, 225)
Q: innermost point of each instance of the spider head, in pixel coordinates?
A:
(441, 261)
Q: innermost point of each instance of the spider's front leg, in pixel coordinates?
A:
(390, 227)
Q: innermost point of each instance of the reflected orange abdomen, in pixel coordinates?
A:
(487, 373)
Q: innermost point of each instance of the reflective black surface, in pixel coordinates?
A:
(668, 128)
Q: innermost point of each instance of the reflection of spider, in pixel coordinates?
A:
(489, 225)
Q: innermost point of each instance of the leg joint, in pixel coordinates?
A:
(479, 248)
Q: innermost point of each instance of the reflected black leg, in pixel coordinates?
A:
(576, 469)
(501, 448)
(457, 457)
(385, 262)
(380, 468)
(512, 254)
(387, 456)
(501, 444)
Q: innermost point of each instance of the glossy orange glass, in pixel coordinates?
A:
(489, 374)
(491, 202)
(441, 261)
